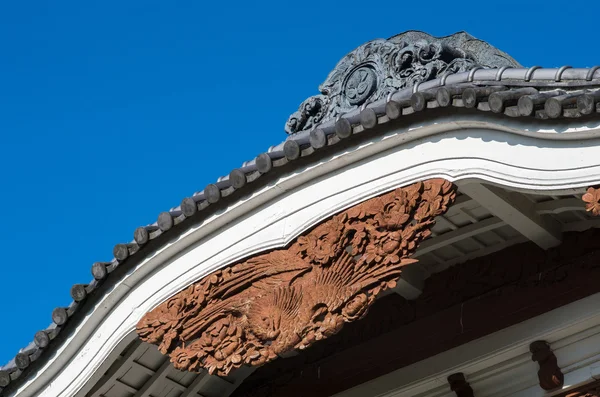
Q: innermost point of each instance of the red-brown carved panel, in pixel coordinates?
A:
(458, 305)
(255, 311)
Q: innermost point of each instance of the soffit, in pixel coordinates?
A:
(469, 230)
(140, 370)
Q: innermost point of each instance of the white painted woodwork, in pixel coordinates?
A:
(141, 371)
(125, 362)
(525, 157)
(411, 282)
(459, 234)
(159, 375)
(517, 212)
(559, 205)
(196, 385)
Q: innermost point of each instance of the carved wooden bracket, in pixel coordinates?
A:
(592, 200)
(460, 386)
(549, 374)
(254, 311)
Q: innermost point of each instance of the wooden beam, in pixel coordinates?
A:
(196, 386)
(411, 282)
(241, 374)
(484, 251)
(143, 368)
(516, 211)
(128, 388)
(460, 203)
(106, 382)
(560, 205)
(175, 384)
(151, 372)
(441, 220)
(459, 234)
(160, 374)
(580, 226)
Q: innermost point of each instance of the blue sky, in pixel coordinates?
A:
(111, 112)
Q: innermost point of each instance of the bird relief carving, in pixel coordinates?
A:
(254, 311)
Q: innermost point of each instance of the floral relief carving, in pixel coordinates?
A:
(592, 200)
(255, 311)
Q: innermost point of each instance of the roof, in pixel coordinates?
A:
(536, 93)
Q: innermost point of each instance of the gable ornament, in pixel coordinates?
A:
(254, 311)
(380, 67)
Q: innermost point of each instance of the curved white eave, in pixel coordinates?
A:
(505, 152)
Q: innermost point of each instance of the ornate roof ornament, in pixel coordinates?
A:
(252, 312)
(380, 67)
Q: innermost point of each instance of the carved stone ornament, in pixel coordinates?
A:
(379, 67)
(592, 200)
(254, 311)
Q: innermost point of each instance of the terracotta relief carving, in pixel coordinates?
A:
(549, 374)
(397, 333)
(460, 386)
(592, 200)
(254, 311)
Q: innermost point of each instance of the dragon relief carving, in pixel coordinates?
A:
(254, 311)
(380, 67)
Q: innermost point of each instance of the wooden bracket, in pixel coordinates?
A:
(549, 374)
(460, 386)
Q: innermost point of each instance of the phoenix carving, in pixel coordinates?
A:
(255, 311)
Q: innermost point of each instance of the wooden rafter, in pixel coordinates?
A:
(516, 211)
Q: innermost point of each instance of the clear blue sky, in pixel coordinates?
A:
(111, 112)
